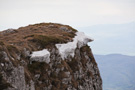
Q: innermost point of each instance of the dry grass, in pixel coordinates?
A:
(73, 65)
(1, 43)
(62, 75)
(37, 67)
(47, 40)
(12, 49)
(43, 33)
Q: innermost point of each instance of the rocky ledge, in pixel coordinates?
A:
(47, 56)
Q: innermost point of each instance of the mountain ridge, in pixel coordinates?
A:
(117, 71)
(31, 59)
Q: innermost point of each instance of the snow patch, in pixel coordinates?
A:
(78, 41)
(41, 56)
(2, 64)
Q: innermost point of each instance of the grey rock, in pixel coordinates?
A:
(87, 75)
(8, 31)
(65, 29)
(4, 56)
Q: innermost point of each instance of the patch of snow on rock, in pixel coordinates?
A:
(2, 64)
(41, 56)
(68, 49)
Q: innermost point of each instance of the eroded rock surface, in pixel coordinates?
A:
(19, 72)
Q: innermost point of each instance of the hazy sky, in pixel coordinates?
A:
(112, 38)
(77, 13)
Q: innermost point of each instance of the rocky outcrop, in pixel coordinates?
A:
(21, 68)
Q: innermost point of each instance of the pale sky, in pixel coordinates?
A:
(77, 13)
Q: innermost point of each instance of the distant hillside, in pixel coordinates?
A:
(117, 71)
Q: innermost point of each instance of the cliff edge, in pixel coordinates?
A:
(47, 56)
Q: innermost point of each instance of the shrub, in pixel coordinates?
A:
(89, 74)
(62, 75)
(37, 66)
(12, 48)
(47, 40)
(28, 36)
(85, 49)
(56, 83)
(73, 65)
(1, 43)
(53, 75)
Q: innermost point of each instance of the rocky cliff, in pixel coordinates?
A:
(47, 56)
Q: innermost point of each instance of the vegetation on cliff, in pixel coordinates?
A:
(21, 71)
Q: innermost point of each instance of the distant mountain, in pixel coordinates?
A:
(117, 71)
(112, 37)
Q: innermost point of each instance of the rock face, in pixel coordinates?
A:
(20, 71)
